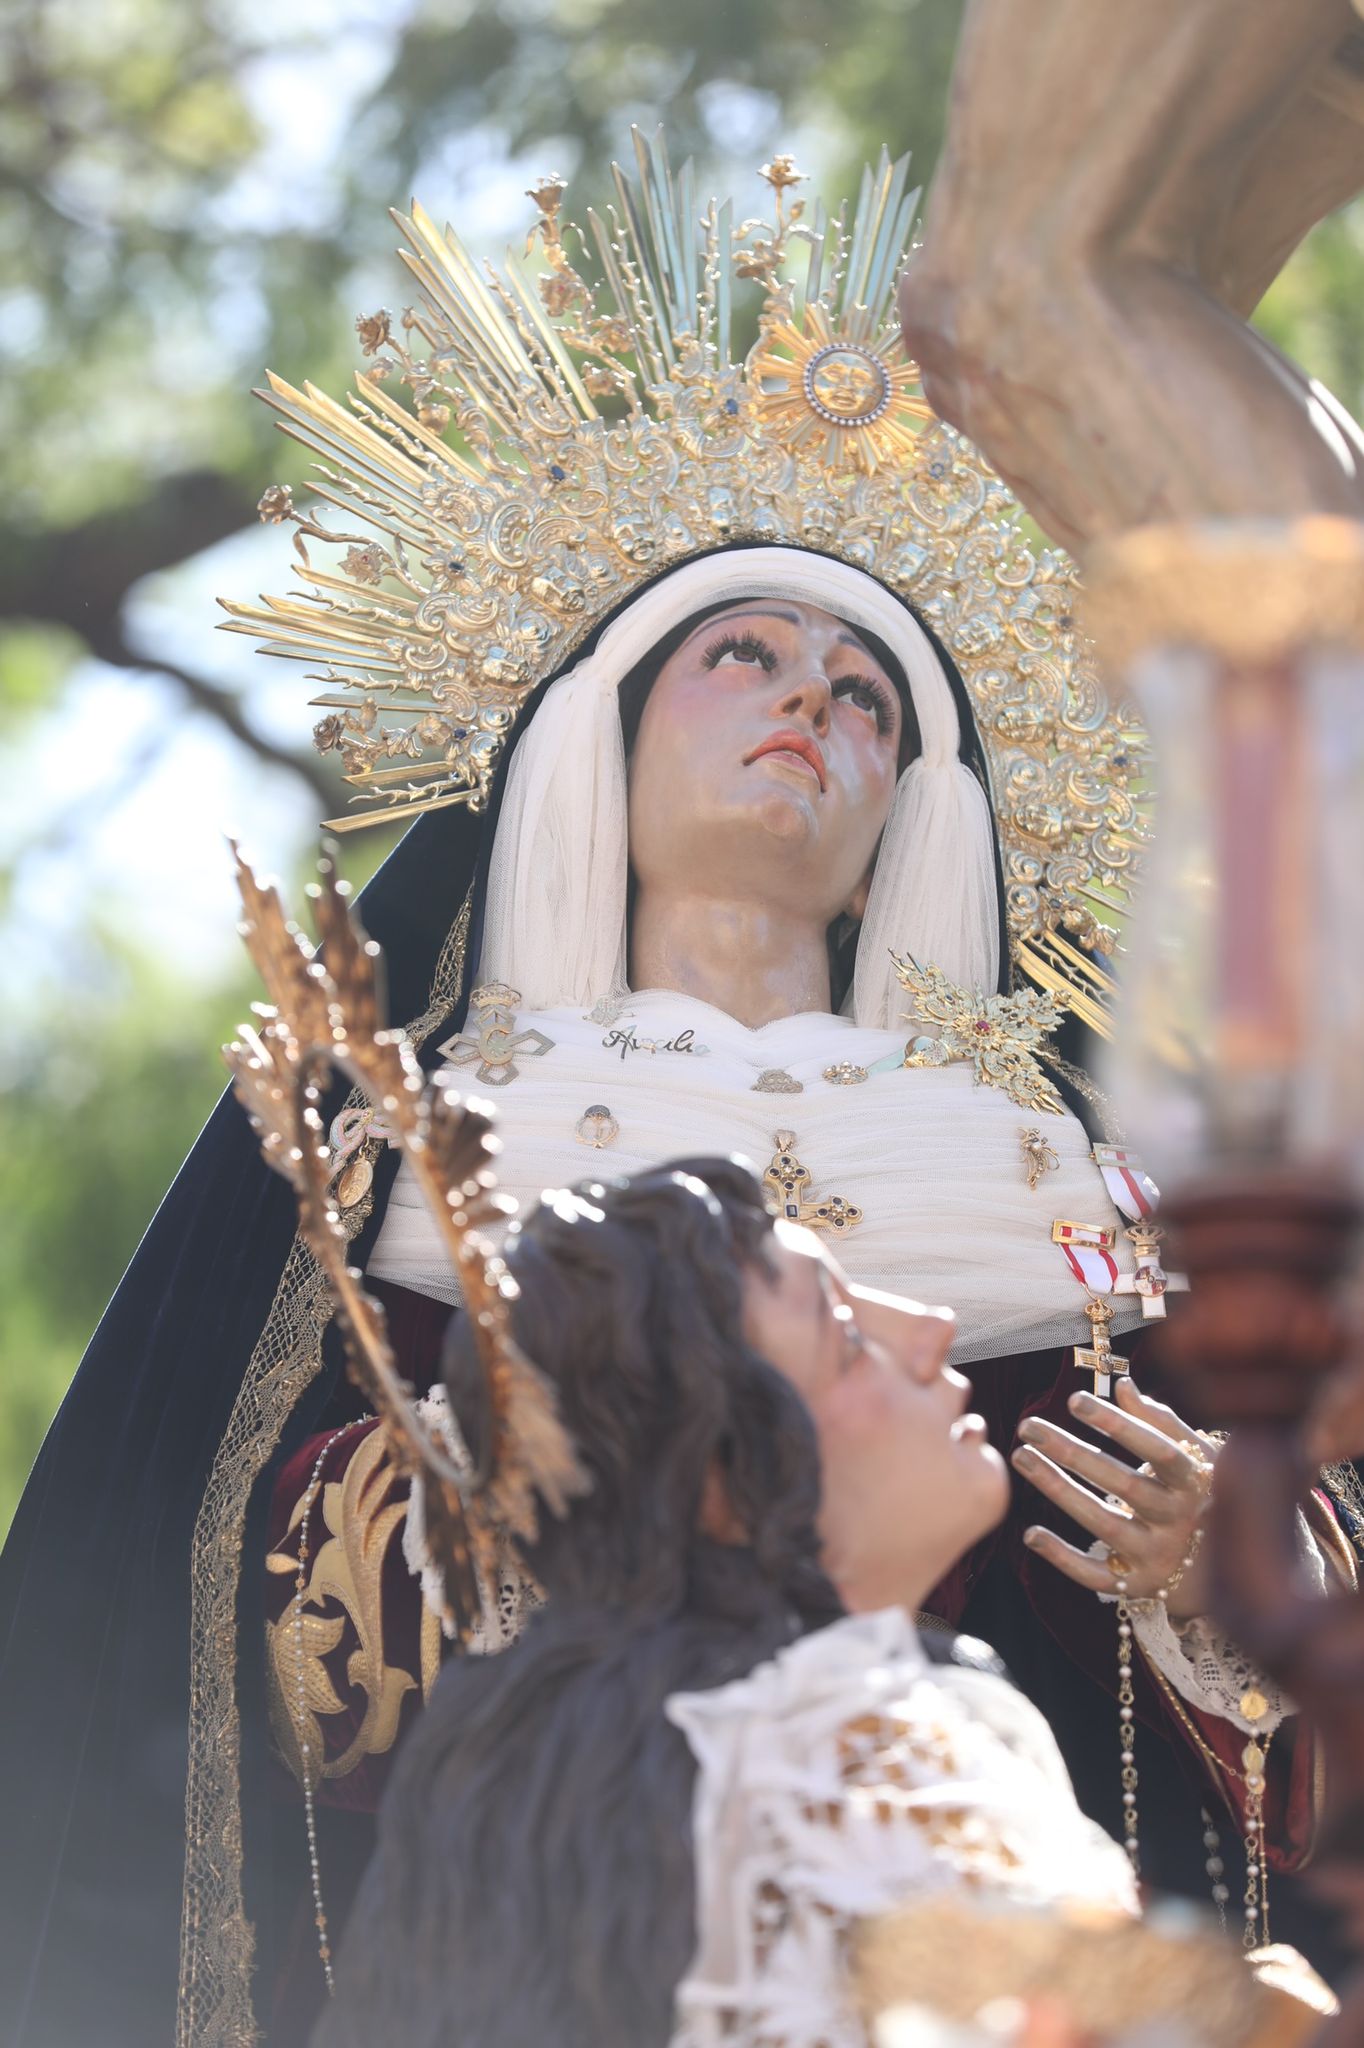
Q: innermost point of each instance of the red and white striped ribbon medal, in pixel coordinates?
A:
(1088, 1251)
(1135, 1195)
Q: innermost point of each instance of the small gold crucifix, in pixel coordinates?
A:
(499, 1043)
(790, 1181)
(1098, 1356)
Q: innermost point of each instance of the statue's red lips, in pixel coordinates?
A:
(798, 743)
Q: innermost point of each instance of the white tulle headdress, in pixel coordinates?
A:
(556, 914)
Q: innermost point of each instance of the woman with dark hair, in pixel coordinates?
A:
(659, 1814)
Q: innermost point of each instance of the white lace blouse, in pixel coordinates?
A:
(847, 1777)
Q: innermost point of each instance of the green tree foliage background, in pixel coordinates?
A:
(170, 225)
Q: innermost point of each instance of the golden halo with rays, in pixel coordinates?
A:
(495, 515)
(840, 383)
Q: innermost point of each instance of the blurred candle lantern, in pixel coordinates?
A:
(1241, 1043)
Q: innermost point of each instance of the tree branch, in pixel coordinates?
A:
(225, 706)
(80, 577)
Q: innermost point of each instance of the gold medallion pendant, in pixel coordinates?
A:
(354, 1183)
(355, 1136)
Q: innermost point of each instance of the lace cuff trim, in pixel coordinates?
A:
(1204, 1665)
(1206, 1668)
(507, 1605)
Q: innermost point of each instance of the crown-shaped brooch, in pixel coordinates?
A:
(525, 449)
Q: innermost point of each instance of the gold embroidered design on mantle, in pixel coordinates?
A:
(1002, 1036)
(361, 1519)
(214, 2009)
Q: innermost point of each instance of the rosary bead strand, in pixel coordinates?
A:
(301, 1708)
(1127, 1729)
(1254, 1837)
(1215, 1867)
(1256, 1933)
(1127, 1726)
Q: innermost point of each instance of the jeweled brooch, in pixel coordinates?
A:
(1002, 1036)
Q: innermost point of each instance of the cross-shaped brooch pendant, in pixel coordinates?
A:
(498, 1044)
(790, 1182)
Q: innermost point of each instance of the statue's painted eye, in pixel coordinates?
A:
(869, 696)
(746, 649)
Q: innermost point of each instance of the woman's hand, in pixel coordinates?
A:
(1162, 1498)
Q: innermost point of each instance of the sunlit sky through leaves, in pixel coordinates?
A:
(119, 793)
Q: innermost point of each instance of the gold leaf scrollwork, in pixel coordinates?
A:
(361, 1518)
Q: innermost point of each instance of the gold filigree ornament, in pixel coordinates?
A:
(1002, 1036)
(525, 449)
(1039, 1158)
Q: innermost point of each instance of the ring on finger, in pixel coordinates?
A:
(1118, 1564)
(1198, 1453)
(1202, 1471)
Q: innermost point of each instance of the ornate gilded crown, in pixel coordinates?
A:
(522, 453)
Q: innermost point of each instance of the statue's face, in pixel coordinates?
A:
(908, 1479)
(766, 758)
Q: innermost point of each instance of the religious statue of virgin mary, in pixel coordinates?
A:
(765, 804)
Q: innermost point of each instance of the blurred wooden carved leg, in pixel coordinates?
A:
(1090, 248)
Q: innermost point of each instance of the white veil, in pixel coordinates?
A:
(555, 925)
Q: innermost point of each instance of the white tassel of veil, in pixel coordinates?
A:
(933, 894)
(556, 894)
(557, 889)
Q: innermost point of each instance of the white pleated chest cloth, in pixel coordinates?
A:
(934, 1161)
